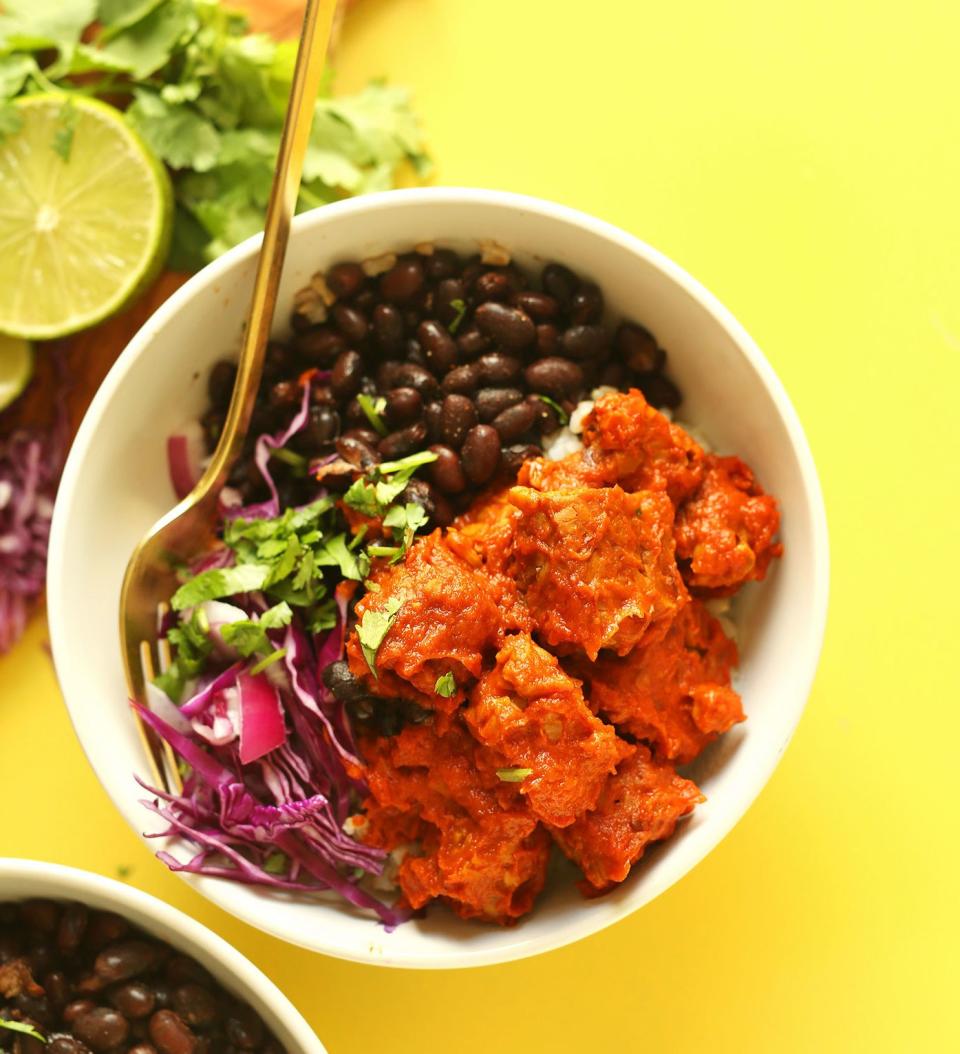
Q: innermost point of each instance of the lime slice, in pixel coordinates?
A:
(16, 368)
(81, 237)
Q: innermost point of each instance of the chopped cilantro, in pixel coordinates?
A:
(249, 636)
(268, 660)
(20, 1026)
(193, 646)
(513, 775)
(220, 582)
(373, 409)
(277, 863)
(373, 627)
(460, 307)
(446, 686)
(562, 416)
(404, 521)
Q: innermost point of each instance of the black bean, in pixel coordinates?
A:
(170, 1034)
(322, 427)
(344, 685)
(446, 473)
(432, 415)
(584, 342)
(284, 395)
(163, 994)
(133, 999)
(493, 401)
(403, 281)
(220, 384)
(560, 282)
(457, 416)
(638, 348)
(411, 318)
(73, 922)
(76, 1009)
(101, 1028)
(127, 959)
(541, 307)
(472, 343)
(660, 391)
(461, 380)
(322, 395)
(480, 455)
(548, 339)
(182, 968)
(142, 1048)
(497, 368)
(320, 345)
(510, 327)
(388, 328)
(57, 987)
(41, 915)
(546, 419)
(347, 375)
(492, 285)
(410, 375)
(387, 374)
(365, 435)
(404, 405)
(438, 346)
(449, 300)
(554, 376)
(196, 1005)
(366, 300)
(345, 279)
(514, 456)
(613, 375)
(357, 453)
(244, 1028)
(412, 352)
(280, 359)
(586, 305)
(514, 421)
(402, 442)
(61, 1044)
(442, 263)
(351, 323)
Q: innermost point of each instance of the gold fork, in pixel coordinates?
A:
(190, 526)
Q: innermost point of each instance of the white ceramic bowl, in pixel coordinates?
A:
(116, 484)
(21, 879)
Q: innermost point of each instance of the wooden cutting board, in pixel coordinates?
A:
(89, 355)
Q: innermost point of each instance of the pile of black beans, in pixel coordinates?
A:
(91, 983)
(460, 350)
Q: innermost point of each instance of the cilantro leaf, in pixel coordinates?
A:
(148, 44)
(250, 635)
(20, 1026)
(14, 70)
(193, 647)
(268, 660)
(362, 497)
(460, 307)
(31, 25)
(446, 686)
(562, 416)
(404, 521)
(118, 14)
(373, 409)
(373, 627)
(513, 775)
(218, 583)
(334, 553)
(176, 133)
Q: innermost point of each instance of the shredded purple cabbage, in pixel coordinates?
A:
(295, 799)
(30, 465)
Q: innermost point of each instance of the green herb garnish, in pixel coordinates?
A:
(373, 410)
(249, 636)
(192, 642)
(446, 685)
(562, 416)
(220, 582)
(208, 97)
(19, 1026)
(290, 457)
(513, 775)
(268, 660)
(373, 627)
(460, 307)
(277, 863)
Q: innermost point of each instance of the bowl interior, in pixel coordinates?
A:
(23, 879)
(116, 485)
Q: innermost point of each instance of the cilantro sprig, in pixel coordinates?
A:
(373, 627)
(208, 97)
(22, 1027)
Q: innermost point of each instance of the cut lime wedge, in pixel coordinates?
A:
(16, 368)
(79, 237)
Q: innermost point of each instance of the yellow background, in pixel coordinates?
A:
(803, 161)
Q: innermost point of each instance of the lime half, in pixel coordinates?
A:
(16, 368)
(81, 236)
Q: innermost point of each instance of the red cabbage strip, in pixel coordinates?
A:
(30, 466)
(199, 702)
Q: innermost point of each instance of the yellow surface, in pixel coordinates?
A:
(803, 161)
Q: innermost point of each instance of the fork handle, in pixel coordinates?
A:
(311, 58)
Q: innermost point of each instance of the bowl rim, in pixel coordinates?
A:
(173, 926)
(204, 281)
